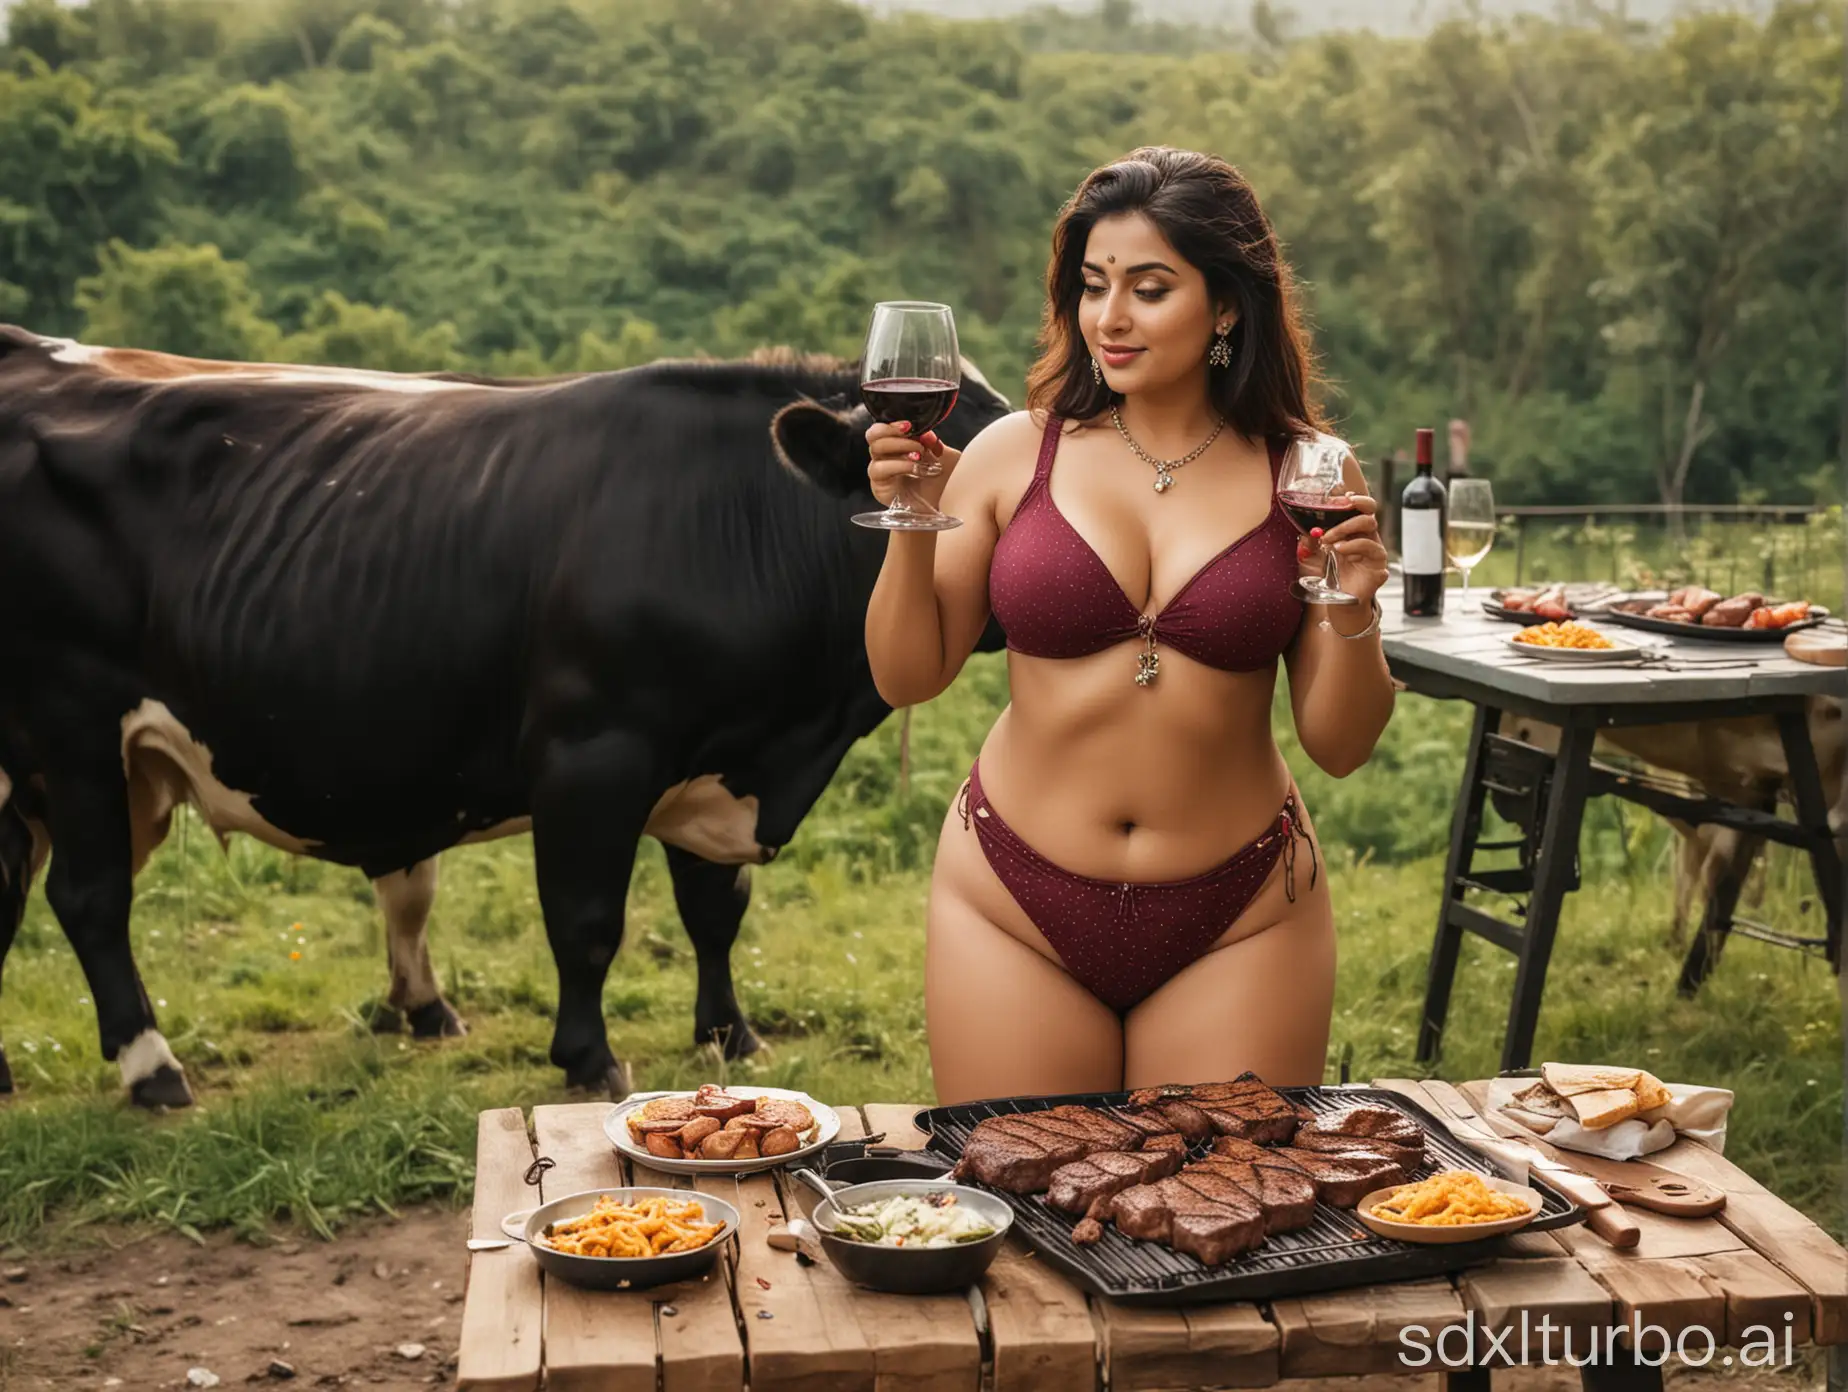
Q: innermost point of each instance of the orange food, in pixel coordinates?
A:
(1562, 635)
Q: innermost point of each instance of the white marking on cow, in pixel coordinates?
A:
(405, 896)
(701, 816)
(165, 766)
(69, 350)
(145, 1055)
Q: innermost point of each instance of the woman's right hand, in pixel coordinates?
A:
(922, 463)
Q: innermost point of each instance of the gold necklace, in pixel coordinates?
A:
(1164, 468)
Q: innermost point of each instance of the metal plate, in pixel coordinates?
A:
(1333, 1252)
(1700, 634)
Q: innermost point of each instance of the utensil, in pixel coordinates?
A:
(488, 1244)
(616, 1128)
(906, 1270)
(1627, 1181)
(1448, 1233)
(620, 1273)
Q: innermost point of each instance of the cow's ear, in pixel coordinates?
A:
(822, 447)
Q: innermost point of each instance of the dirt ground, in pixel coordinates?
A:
(347, 1313)
(339, 1314)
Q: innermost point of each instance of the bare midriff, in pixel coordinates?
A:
(1120, 782)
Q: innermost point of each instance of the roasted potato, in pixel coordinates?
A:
(696, 1131)
(664, 1145)
(721, 1145)
(779, 1141)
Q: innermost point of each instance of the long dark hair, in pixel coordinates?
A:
(1209, 214)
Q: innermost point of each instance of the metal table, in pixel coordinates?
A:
(1465, 656)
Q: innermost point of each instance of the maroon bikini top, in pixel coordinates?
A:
(1055, 597)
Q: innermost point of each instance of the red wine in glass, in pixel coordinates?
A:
(1311, 510)
(924, 401)
(910, 370)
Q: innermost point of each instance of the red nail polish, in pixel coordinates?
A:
(1316, 532)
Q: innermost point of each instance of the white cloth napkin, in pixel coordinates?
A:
(1696, 1112)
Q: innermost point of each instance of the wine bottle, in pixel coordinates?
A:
(1422, 514)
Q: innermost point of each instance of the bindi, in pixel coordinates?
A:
(1111, 260)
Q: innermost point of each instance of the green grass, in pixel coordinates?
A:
(306, 1118)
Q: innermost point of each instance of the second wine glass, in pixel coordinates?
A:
(1470, 530)
(910, 371)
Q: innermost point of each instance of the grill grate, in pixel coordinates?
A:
(1334, 1251)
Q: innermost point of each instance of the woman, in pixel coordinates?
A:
(1127, 891)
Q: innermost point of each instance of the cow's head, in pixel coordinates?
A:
(825, 442)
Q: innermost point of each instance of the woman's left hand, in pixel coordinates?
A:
(1357, 547)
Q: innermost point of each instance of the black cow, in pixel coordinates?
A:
(369, 616)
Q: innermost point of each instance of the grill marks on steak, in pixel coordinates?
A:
(1246, 1107)
(1077, 1186)
(1128, 1164)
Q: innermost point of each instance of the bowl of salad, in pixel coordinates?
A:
(909, 1236)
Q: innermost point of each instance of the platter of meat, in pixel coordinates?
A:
(1553, 603)
(1214, 1191)
(719, 1130)
(1695, 612)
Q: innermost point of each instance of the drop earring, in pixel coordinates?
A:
(1220, 355)
(1097, 373)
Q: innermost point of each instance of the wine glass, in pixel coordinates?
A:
(1312, 487)
(1470, 530)
(911, 371)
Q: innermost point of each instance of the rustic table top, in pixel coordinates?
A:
(1468, 645)
(782, 1325)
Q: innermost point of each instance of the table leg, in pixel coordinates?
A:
(1462, 1380)
(1813, 817)
(1621, 1375)
(1838, 1368)
(1465, 827)
(1553, 875)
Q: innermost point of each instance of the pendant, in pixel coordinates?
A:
(1148, 667)
(1163, 480)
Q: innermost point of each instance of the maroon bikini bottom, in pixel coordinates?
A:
(1122, 939)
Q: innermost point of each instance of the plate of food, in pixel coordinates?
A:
(624, 1238)
(1570, 642)
(1696, 612)
(720, 1130)
(1450, 1206)
(1548, 603)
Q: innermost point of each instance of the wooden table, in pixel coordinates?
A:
(1466, 656)
(767, 1322)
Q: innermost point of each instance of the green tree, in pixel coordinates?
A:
(179, 299)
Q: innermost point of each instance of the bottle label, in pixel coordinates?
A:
(1421, 541)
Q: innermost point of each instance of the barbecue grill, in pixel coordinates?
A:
(1334, 1251)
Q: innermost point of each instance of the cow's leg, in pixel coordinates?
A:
(405, 897)
(1727, 864)
(712, 900)
(591, 800)
(15, 883)
(89, 887)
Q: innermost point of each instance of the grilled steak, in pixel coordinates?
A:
(1246, 1107)
(1287, 1197)
(1148, 1211)
(1371, 1123)
(1011, 1153)
(1186, 1118)
(1077, 1186)
(1217, 1237)
(1101, 1126)
(1343, 1180)
(1149, 1122)
(1409, 1157)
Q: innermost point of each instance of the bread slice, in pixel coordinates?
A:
(1650, 1093)
(1597, 1110)
(1575, 1079)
